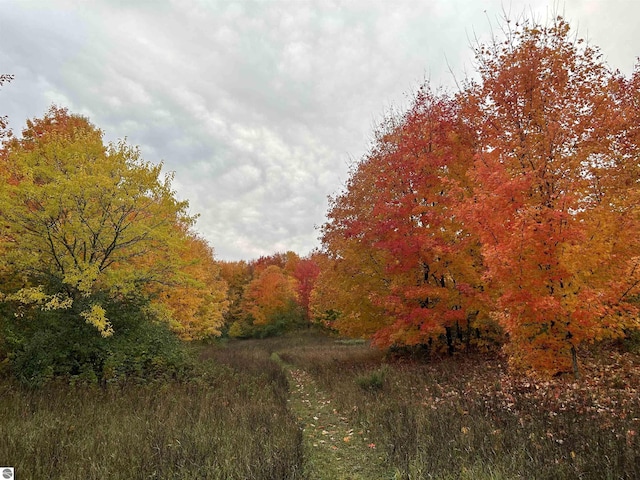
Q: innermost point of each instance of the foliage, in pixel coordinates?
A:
(44, 345)
(236, 275)
(507, 213)
(78, 215)
(396, 221)
(195, 296)
(86, 228)
(345, 291)
(306, 273)
(552, 185)
(269, 305)
(269, 295)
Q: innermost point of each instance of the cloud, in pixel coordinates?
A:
(258, 107)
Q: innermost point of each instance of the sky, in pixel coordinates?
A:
(260, 107)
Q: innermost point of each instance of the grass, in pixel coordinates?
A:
(308, 407)
(471, 418)
(229, 422)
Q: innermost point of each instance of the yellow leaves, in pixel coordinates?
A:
(99, 221)
(58, 301)
(28, 296)
(193, 298)
(36, 296)
(96, 316)
(83, 278)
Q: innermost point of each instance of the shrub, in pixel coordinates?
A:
(374, 380)
(53, 344)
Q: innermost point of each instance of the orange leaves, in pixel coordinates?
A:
(396, 231)
(268, 295)
(195, 295)
(545, 116)
(516, 200)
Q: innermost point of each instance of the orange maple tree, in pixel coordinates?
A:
(270, 298)
(557, 234)
(512, 204)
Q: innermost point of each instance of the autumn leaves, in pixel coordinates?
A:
(87, 225)
(506, 213)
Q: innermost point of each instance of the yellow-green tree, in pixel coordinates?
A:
(80, 218)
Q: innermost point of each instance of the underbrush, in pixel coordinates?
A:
(465, 417)
(229, 420)
(470, 418)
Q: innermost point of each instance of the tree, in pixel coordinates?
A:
(287, 261)
(195, 297)
(82, 219)
(352, 276)
(306, 272)
(269, 302)
(96, 245)
(551, 194)
(513, 203)
(237, 276)
(397, 223)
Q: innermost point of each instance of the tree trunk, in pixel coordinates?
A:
(574, 362)
(450, 346)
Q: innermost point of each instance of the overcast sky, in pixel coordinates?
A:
(258, 106)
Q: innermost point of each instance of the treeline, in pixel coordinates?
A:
(270, 295)
(102, 277)
(505, 214)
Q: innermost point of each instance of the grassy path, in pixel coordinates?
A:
(334, 449)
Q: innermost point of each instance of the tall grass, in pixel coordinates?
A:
(468, 418)
(463, 418)
(228, 422)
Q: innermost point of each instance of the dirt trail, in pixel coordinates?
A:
(334, 449)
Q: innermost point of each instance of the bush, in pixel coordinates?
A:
(55, 344)
(283, 320)
(374, 380)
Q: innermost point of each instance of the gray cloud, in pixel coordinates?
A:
(257, 106)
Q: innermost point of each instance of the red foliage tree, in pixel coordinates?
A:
(400, 207)
(306, 272)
